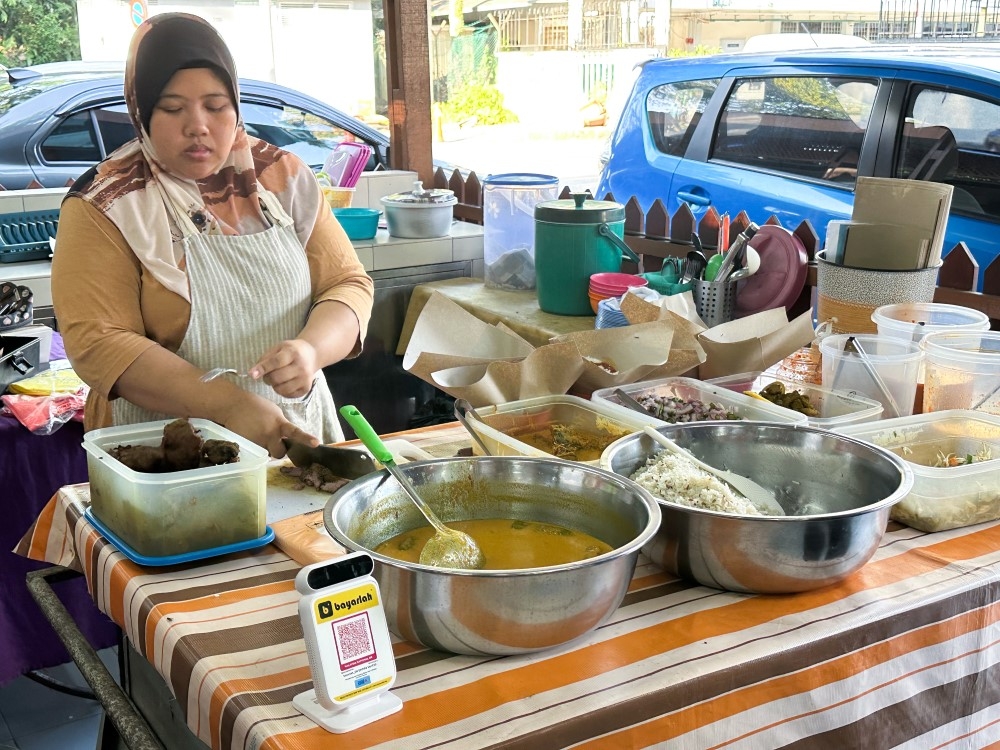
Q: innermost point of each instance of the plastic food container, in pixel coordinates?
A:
(943, 497)
(509, 227)
(895, 362)
(181, 511)
(338, 197)
(419, 214)
(358, 223)
(836, 409)
(690, 390)
(914, 320)
(962, 371)
(583, 424)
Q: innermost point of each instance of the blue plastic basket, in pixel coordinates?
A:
(359, 223)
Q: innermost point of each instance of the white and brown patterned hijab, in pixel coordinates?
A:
(145, 201)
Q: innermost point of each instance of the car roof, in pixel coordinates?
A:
(973, 58)
(88, 77)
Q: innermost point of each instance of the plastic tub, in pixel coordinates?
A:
(598, 424)
(182, 511)
(943, 497)
(836, 409)
(358, 223)
(509, 227)
(338, 197)
(895, 361)
(734, 405)
(962, 371)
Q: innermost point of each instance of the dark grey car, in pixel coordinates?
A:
(58, 120)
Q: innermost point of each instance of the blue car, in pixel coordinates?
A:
(789, 133)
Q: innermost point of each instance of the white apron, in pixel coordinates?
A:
(248, 292)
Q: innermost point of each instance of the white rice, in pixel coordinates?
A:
(675, 479)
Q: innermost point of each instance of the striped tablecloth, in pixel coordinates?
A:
(902, 654)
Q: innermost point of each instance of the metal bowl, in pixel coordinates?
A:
(836, 490)
(498, 611)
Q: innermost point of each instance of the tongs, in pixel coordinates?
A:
(852, 346)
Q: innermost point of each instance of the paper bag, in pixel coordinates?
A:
(753, 343)
(615, 356)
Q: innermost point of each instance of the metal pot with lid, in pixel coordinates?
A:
(575, 239)
(420, 213)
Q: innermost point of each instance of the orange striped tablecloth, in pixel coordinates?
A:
(902, 654)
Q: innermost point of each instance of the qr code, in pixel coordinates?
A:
(353, 636)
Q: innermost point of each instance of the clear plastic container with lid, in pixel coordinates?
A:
(914, 320)
(509, 226)
(962, 371)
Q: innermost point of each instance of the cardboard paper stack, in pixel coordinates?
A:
(896, 225)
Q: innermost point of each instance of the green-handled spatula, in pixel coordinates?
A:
(448, 548)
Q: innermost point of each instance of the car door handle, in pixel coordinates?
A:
(697, 200)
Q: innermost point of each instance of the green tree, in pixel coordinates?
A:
(38, 31)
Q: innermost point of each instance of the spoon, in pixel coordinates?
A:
(695, 266)
(448, 548)
(462, 409)
(216, 372)
(761, 498)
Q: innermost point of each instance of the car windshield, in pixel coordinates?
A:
(305, 134)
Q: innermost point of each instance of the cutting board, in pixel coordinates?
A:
(284, 501)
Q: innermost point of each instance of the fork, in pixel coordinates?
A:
(217, 371)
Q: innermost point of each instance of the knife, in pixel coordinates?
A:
(346, 463)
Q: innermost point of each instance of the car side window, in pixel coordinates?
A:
(72, 140)
(807, 126)
(953, 138)
(115, 127)
(307, 135)
(674, 109)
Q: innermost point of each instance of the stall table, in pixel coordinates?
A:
(902, 654)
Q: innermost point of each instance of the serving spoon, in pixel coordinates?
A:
(447, 548)
(762, 499)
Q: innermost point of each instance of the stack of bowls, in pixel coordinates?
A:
(607, 285)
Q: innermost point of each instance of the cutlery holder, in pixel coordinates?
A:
(716, 303)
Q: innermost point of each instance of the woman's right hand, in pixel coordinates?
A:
(262, 422)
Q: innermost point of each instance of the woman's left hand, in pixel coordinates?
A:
(289, 368)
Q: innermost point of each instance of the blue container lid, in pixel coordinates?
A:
(521, 179)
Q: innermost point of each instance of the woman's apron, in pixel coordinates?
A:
(248, 293)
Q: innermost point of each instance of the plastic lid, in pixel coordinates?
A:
(521, 179)
(921, 318)
(421, 196)
(964, 347)
(580, 209)
(782, 274)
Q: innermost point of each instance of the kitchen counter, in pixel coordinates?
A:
(902, 653)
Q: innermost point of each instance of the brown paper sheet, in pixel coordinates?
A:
(686, 352)
(633, 351)
(753, 343)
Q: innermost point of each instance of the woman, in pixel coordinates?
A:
(197, 246)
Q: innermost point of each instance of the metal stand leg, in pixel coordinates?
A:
(130, 725)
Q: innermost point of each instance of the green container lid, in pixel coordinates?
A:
(580, 209)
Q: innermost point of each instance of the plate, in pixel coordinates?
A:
(187, 557)
(782, 274)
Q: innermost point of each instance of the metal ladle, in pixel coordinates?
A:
(448, 548)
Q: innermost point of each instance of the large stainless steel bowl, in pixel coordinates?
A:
(498, 611)
(836, 490)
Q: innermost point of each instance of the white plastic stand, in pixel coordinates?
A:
(340, 720)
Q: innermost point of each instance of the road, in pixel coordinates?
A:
(500, 149)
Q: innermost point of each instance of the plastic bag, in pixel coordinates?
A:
(43, 415)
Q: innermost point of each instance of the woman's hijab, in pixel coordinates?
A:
(146, 202)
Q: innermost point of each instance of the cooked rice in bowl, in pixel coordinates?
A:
(677, 480)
